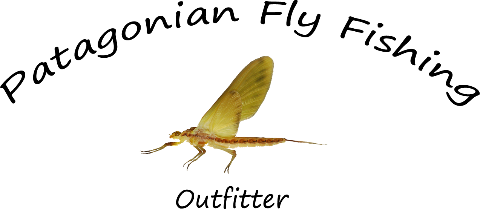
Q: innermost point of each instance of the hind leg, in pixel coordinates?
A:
(230, 151)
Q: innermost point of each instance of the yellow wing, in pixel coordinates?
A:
(226, 119)
(251, 85)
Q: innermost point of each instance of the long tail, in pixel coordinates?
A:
(304, 142)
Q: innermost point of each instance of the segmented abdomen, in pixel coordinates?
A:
(247, 141)
(234, 142)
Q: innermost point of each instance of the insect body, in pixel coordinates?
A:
(239, 102)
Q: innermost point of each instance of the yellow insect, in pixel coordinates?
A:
(239, 102)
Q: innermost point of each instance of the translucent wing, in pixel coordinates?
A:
(226, 119)
(251, 84)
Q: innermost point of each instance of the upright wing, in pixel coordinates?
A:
(226, 119)
(251, 84)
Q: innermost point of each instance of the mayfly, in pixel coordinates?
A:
(239, 102)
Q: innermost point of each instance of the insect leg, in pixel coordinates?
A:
(228, 151)
(165, 145)
(201, 151)
(234, 154)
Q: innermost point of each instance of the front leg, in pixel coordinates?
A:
(201, 152)
(162, 147)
